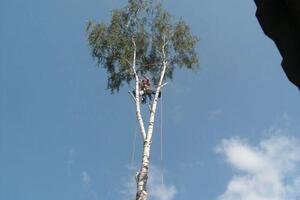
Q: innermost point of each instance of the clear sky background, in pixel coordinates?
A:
(230, 130)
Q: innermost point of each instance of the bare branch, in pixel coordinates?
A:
(132, 96)
(163, 85)
(137, 94)
(158, 89)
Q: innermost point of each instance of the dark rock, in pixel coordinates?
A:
(280, 20)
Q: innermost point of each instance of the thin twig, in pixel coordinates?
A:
(132, 96)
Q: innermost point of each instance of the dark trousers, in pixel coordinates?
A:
(146, 93)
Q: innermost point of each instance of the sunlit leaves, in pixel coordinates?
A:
(152, 28)
(184, 46)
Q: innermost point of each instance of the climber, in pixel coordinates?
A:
(146, 87)
(145, 90)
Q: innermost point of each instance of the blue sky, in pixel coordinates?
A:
(63, 136)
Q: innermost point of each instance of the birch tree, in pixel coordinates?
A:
(142, 39)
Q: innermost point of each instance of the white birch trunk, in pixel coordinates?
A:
(137, 95)
(142, 176)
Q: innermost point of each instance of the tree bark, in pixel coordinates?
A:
(142, 176)
(137, 95)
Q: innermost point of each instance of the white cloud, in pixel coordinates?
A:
(265, 172)
(86, 179)
(156, 189)
(215, 113)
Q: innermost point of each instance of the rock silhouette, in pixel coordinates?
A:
(280, 20)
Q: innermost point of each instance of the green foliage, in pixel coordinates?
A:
(151, 27)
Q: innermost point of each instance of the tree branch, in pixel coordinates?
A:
(132, 96)
(137, 94)
(158, 89)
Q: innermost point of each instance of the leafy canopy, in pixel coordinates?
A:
(152, 27)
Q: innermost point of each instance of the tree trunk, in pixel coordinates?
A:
(137, 95)
(142, 176)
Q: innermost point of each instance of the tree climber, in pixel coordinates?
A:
(145, 90)
(146, 86)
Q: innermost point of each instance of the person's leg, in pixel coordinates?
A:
(149, 94)
(144, 100)
(159, 94)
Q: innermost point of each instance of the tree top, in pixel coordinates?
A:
(152, 28)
